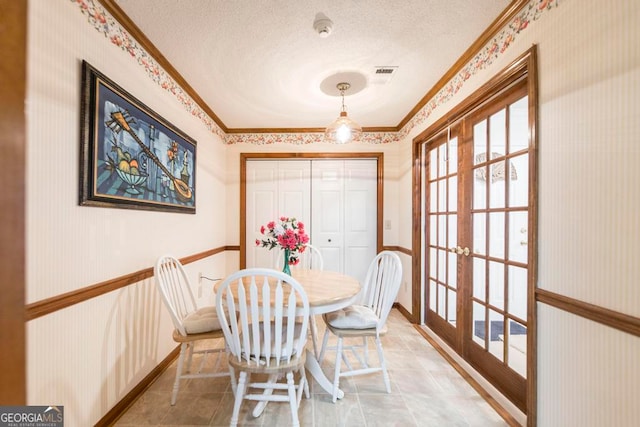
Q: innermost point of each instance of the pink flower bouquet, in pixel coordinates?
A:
(288, 234)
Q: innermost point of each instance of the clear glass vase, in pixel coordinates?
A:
(285, 268)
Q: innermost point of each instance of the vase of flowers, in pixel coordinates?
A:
(287, 234)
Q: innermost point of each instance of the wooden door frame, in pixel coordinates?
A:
(244, 157)
(523, 67)
(13, 133)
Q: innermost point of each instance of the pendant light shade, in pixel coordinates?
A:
(343, 129)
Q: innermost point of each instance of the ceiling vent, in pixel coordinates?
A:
(383, 75)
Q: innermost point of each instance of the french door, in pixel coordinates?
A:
(479, 225)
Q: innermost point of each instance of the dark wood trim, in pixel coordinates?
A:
(532, 271)
(129, 399)
(416, 231)
(506, 78)
(464, 374)
(112, 7)
(304, 130)
(398, 249)
(273, 156)
(380, 203)
(496, 26)
(604, 316)
(58, 302)
(13, 137)
(404, 312)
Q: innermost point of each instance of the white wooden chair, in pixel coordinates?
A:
(364, 320)
(264, 337)
(311, 258)
(192, 324)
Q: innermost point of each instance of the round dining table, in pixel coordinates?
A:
(327, 291)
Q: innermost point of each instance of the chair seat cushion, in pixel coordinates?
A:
(352, 317)
(204, 319)
(285, 349)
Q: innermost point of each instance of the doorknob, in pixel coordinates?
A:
(458, 250)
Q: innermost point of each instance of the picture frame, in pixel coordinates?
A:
(130, 157)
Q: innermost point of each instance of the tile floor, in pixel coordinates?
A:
(425, 391)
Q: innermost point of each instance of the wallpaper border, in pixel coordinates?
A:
(105, 23)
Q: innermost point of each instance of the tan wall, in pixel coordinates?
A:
(88, 356)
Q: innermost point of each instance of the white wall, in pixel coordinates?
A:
(88, 356)
(588, 226)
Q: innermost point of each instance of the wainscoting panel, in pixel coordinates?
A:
(589, 372)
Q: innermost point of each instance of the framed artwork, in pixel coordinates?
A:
(130, 157)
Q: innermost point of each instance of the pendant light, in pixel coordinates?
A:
(343, 129)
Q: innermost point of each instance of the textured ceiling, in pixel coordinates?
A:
(260, 64)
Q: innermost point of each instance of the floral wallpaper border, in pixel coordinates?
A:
(103, 22)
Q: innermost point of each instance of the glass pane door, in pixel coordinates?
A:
(497, 157)
(479, 218)
(499, 218)
(442, 235)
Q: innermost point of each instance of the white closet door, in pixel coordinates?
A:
(262, 205)
(274, 189)
(360, 215)
(336, 199)
(344, 214)
(327, 178)
(294, 189)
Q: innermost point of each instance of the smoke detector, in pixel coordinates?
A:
(322, 25)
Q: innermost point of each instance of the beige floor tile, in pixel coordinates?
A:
(425, 391)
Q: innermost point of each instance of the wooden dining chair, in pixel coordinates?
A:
(364, 320)
(265, 337)
(192, 325)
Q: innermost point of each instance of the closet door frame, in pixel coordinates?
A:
(244, 157)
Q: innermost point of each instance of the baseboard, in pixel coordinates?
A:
(404, 312)
(112, 416)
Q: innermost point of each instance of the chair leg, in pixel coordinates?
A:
(242, 382)
(383, 365)
(234, 383)
(293, 401)
(336, 374)
(190, 358)
(325, 340)
(176, 383)
(303, 372)
(262, 404)
(303, 385)
(365, 349)
(314, 335)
